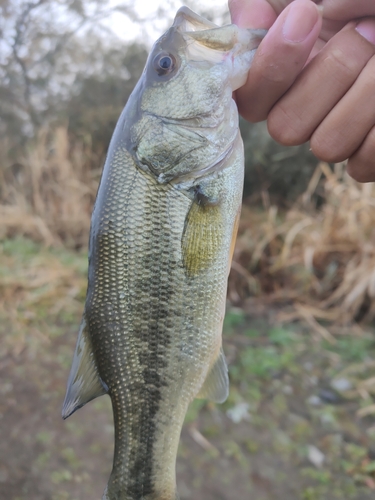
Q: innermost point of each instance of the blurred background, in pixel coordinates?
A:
(300, 420)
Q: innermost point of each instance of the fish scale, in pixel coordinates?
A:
(155, 311)
(162, 234)
(146, 343)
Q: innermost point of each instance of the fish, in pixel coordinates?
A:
(161, 241)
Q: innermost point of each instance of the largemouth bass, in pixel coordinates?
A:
(162, 235)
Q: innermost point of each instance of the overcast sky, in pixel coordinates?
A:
(153, 26)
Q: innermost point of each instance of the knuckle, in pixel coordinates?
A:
(370, 75)
(286, 127)
(358, 172)
(251, 109)
(326, 148)
(275, 74)
(361, 165)
(338, 60)
(254, 115)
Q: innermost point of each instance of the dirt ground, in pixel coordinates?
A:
(293, 427)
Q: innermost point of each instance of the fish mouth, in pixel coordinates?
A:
(210, 35)
(187, 20)
(207, 43)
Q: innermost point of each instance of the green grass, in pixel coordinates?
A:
(352, 348)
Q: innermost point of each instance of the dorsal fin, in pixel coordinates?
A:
(84, 383)
(216, 385)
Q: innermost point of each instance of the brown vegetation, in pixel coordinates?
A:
(321, 259)
(48, 193)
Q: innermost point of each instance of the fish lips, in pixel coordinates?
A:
(229, 45)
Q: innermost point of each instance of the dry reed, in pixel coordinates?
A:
(320, 260)
(48, 193)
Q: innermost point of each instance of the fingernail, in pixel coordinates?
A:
(367, 30)
(299, 22)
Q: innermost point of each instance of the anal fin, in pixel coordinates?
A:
(216, 385)
(84, 382)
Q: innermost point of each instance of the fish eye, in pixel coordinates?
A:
(164, 63)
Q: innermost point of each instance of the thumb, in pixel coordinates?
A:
(279, 59)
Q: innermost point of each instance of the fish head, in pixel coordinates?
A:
(185, 113)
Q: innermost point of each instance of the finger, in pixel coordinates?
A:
(348, 9)
(343, 130)
(279, 59)
(316, 49)
(330, 28)
(361, 165)
(252, 13)
(322, 83)
(279, 5)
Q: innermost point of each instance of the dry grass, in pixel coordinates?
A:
(48, 193)
(321, 260)
(39, 289)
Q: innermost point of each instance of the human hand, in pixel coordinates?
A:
(331, 100)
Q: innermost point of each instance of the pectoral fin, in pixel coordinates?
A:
(84, 383)
(216, 385)
(202, 238)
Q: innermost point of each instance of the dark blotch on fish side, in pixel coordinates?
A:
(153, 360)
